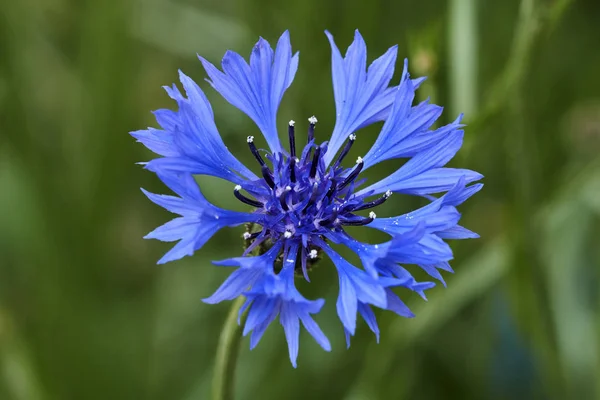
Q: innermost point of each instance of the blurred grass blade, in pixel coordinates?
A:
(463, 56)
(185, 30)
(568, 250)
(17, 372)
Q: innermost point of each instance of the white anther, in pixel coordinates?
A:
(246, 235)
(288, 188)
(250, 139)
(297, 160)
(372, 215)
(313, 120)
(359, 160)
(313, 254)
(352, 137)
(237, 188)
(387, 194)
(287, 234)
(292, 122)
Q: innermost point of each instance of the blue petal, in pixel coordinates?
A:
(156, 140)
(430, 249)
(259, 330)
(173, 204)
(355, 286)
(436, 180)
(347, 334)
(457, 232)
(291, 327)
(259, 312)
(396, 305)
(347, 304)
(190, 140)
(257, 89)
(406, 131)
(200, 219)
(314, 330)
(434, 273)
(369, 318)
(167, 119)
(235, 285)
(276, 294)
(415, 168)
(173, 230)
(422, 174)
(361, 96)
(438, 216)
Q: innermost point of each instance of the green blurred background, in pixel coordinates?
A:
(86, 314)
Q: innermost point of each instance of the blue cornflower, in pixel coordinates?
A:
(304, 197)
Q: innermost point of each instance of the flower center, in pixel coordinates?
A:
(303, 196)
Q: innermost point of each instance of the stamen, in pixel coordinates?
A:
(360, 221)
(282, 198)
(345, 150)
(313, 254)
(244, 199)
(353, 174)
(255, 235)
(247, 235)
(292, 139)
(315, 162)
(315, 191)
(331, 218)
(266, 173)
(311, 128)
(374, 203)
(332, 188)
(293, 169)
(287, 234)
(254, 150)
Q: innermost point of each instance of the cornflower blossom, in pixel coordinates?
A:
(307, 194)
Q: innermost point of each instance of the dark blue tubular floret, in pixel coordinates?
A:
(305, 198)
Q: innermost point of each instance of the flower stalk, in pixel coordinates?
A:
(227, 352)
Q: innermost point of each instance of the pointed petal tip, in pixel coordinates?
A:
(165, 259)
(225, 263)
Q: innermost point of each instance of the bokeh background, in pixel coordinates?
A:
(86, 314)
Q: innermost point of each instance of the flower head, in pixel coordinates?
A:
(305, 195)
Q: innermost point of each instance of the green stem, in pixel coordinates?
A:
(227, 352)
